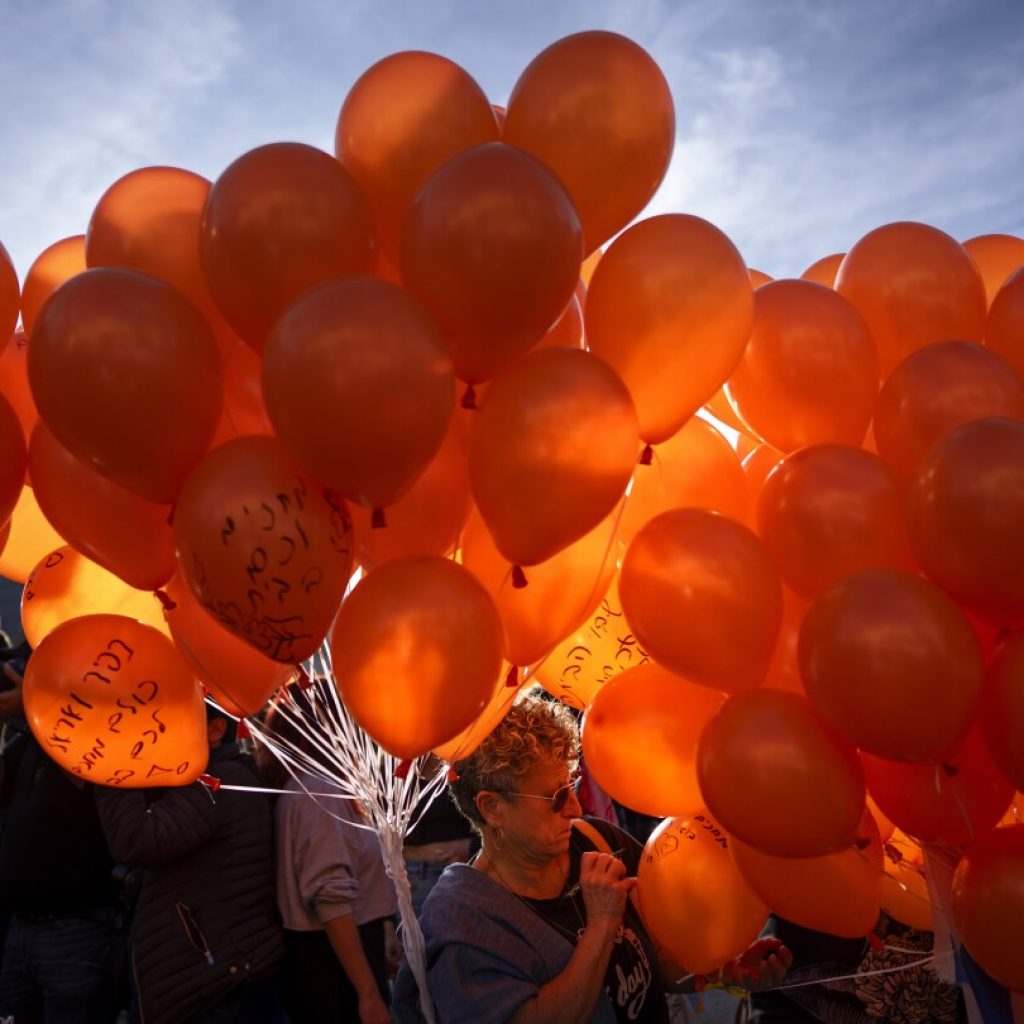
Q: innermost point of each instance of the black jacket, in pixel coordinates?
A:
(206, 918)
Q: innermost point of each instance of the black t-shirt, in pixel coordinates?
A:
(631, 981)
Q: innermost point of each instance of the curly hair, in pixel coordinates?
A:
(534, 731)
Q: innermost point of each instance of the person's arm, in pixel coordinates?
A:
(344, 939)
(571, 997)
(761, 966)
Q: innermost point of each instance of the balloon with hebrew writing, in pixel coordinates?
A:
(266, 549)
(66, 585)
(692, 897)
(111, 701)
(596, 653)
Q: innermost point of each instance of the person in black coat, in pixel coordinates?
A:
(206, 939)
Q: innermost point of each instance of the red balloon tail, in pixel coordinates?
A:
(518, 577)
(512, 679)
(166, 601)
(647, 455)
(469, 397)
(377, 520)
(402, 771)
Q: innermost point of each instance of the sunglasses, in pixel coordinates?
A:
(558, 799)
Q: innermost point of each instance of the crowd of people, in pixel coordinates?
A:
(197, 905)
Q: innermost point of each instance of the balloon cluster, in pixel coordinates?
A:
(411, 364)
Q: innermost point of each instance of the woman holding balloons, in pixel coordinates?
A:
(540, 926)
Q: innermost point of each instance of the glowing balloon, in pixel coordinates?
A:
(110, 700)
(567, 330)
(126, 375)
(829, 510)
(31, 538)
(280, 220)
(126, 534)
(997, 257)
(937, 389)
(695, 468)
(238, 678)
(597, 110)
(809, 373)
(778, 778)
(905, 895)
(988, 904)
(10, 296)
(692, 582)
(66, 585)
(913, 285)
(553, 448)
(13, 459)
(1002, 709)
(838, 893)
(692, 898)
(640, 736)
(404, 117)
(267, 550)
(416, 649)
(53, 266)
(757, 466)
(492, 248)
(670, 308)
(824, 271)
(463, 744)
(964, 511)
(1004, 329)
(14, 382)
(784, 669)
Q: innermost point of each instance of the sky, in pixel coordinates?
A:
(801, 124)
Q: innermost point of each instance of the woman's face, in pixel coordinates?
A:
(530, 821)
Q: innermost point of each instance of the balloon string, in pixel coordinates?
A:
(862, 974)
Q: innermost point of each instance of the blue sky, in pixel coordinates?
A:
(801, 124)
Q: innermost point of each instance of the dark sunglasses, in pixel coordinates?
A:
(558, 799)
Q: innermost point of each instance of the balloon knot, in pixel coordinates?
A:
(874, 941)
(166, 601)
(469, 397)
(862, 842)
(893, 853)
(170, 514)
(512, 679)
(951, 770)
(243, 731)
(211, 782)
(402, 771)
(647, 455)
(303, 680)
(518, 577)
(453, 775)
(377, 520)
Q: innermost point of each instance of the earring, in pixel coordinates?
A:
(496, 837)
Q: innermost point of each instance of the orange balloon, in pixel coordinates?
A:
(640, 736)
(238, 678)
(10, 296)
(126, 534)
(552, 451)
(692, 898)
(936, 389)
(416, 649)
(692, 582)
(359, 386)
(884, 823)
(31, 538)
(567, 330)
(53, 266)
(838, 893)
(809, 373)
(597, 110)
(267, 550)
(952, 803)
(65, 585)
(824, 271)
(905, 894)
(1015, 815)
(758, 278)
(829, 510)
(596, 653)
(670, 308)
(964, 514)
(719, 406)
(463, 744)
(784, 668)
(126, 375)
(695, 468)
(1002, 710)
(429, 518)
(1004, 329)
(13, 460)
(14, 381)
(492, 248)
(280, 220)
(757, 466)
(997, 257)
(777, 778)
(563, 590)
(110, 700)
(149, 221)
(404, 117)
(244, 413)
(988, 904)
(587, 268)
(913, 285)
(891, 663)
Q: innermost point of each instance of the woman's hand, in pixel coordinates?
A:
(372, 1009)
(762, 965)
(605, 888)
